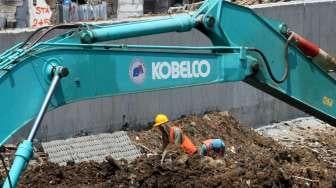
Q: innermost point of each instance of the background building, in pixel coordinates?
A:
(37, 13)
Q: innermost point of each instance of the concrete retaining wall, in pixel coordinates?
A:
(254, 108)
(313, 19)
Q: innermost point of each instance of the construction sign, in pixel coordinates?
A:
(40, 13)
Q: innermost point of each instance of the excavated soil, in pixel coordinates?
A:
(251, 160)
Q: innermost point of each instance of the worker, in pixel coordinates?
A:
(217, 145)
(173, 135)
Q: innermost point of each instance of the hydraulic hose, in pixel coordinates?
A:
(33, 34)
(49, 29)
(268, 67)
(63, 26)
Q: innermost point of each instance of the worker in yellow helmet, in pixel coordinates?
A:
(173, 135)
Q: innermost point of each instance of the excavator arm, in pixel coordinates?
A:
(36, 75)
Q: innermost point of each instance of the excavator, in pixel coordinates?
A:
(41, 73)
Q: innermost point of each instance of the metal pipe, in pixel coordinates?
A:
(44, 107)
(180, 23)
(57, 74)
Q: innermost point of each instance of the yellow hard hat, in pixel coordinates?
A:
(160, 119)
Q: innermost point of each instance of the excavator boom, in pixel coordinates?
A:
(76, 66)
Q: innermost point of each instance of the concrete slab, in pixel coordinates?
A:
(91, 148)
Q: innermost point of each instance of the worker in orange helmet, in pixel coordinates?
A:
(217, 145)
(173, 135)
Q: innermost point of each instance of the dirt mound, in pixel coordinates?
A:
(251, 160)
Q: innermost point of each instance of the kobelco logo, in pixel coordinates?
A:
(183, 69)
(137, 71)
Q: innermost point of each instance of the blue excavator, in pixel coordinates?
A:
(42, 74)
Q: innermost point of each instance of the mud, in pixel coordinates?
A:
(251, 160)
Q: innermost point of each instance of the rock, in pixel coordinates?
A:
(206, 159)
(224, 113)
(190, 130)
(248, 183)
(192, 124)
(233, 149)
(113, 163)
(217, 163)
(70, 163)
(209, 161)
(182, 160)
(206, 117)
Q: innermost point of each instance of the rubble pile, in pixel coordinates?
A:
(309, 133)
(250, 160)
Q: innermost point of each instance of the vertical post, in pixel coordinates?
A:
(25, 149)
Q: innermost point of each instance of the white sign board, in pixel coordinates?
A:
(39, 14)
